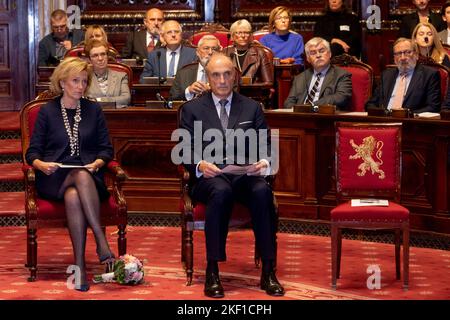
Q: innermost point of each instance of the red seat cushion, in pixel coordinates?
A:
(361, 82)
(49, 210)
(393, 212)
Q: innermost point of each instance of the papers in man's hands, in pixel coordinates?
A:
(237, 170)
(69, 166)
(369, 202)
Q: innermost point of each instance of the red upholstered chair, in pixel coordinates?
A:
(78, 51)
(443, 72)
(42, 213)
(217, 30)
(368, 166)
(257, 35)
(193, 218)
(362, 79)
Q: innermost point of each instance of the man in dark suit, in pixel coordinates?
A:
(191, 79)
(140, 43)
(445, 13)
(422, 14)
(165, 61)
(323, 83)
(223, 111)
(410, 85)
(54, 46)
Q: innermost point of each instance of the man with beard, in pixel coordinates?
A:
(191, 81)
(54, 46)
(422, 14)
(323, 83)
(410, 85)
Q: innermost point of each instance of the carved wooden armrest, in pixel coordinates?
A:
(115, 169)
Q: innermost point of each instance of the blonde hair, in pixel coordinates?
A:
(438, 52)
(90, 31)
(275, 12)
(67, 68)
(240, 23)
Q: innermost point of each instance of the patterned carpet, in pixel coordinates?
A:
(303, 268)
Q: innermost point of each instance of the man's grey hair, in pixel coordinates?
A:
(207, 37)
(165, 23)
(314, 42)
(412, 43)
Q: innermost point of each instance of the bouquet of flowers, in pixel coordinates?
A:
(127, 270)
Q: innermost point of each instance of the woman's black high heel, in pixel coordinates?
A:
(83, 287)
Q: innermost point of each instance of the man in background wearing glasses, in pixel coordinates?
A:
(409, 86)
(166, 61)
(191, 81)
(54, 46)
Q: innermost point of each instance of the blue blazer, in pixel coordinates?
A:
(49, 138)
(245, 114)
(152, 65)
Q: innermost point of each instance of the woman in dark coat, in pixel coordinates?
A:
(71, 130)
(340, 28)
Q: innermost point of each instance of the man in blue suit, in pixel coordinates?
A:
(165, 61)
(228, 112)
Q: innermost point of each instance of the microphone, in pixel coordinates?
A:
(167, 104)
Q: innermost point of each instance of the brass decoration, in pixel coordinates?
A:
(364, 152)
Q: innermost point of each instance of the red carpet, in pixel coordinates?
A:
(304, 268)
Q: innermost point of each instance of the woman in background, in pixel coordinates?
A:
(106, 85)
(340, 28)
(285, 44)
(427, 39)
(248, 56)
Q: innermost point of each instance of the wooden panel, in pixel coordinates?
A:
(133, 5)
(3, 5)
(4, 41)
(5, 88)
(257, 8)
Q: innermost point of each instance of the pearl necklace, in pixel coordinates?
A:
(73, 134)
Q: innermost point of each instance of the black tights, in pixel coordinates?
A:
(82, 209)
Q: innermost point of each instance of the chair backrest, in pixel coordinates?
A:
(362, 79)
(443, 72)
(258, 34)
(117, 66)
(78, 51)
(28, 116)
(215, 29)
(447, 48)
(368, 159)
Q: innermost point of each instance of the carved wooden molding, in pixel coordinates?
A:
(182, 15)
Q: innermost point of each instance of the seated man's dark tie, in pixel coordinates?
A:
(223, 114)
(312, 92)
(151, 45)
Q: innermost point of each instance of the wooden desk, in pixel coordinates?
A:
(305, 186)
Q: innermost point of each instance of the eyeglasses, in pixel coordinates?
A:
(404, 52)
(278, 18)
(61, 27)
(242, 33)
(98, 55)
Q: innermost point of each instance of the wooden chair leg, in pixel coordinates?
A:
(183, 247)
(334, 256)
(32, 253)
(189, 257)
(122, 240)
(406, 258)
(397, 253)
(339, 251)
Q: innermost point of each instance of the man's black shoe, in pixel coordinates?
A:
(270, 283)
(213, 287)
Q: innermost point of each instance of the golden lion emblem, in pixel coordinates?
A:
(365, 151)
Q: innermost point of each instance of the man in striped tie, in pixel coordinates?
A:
(323, 83)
